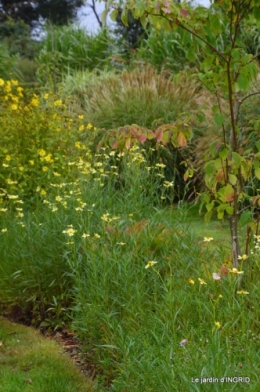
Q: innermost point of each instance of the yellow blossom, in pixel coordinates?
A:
(241, 292)
(96, 235)
(4, 230)
(70, 231)
(208, 239)
(58, 102)
(150, 264)
(14, 106)
(217, 324)
(31, 161)
(201, 281)
(243, 257)
(2, 82)
(191, 281)
(81, 128)
(85, 235)
(45, 168)
(235, 271)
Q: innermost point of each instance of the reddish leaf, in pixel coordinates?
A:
(159, 136)
(128, 143)
(220, 176)
(142, 138)
(115, 144)
(183, 12)
(182, 141)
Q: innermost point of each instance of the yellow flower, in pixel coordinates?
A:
(162, 165)
(21, 168)
(8, 158)
(2, 82)
(81, 128)
(241, 292)
(4, 230)
(85, 235)
(35, 101)
(14, 106)
(46, 96)
(235, 271)
(43, 192)
(150, 264)
(58, 198)
(121, 243)
(217, 324)
(70, 232)
(42, 152)
(31, 161)
(243, 257)
(89, 126)
(80, 117)
(208, 239)
(191, 281)
(58, 102)
(201, 281)
(45, 168)
(96, 235)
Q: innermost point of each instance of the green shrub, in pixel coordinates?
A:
(70, 48)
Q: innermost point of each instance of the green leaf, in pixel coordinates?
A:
(219, 119)
(237, 159)
(220, 214)
(209, 206)
(232, 179)
(257, 145)
(224, 153)
(191, 54)
(243, 82)
(245, 218)
(230, 210)
(113, 15)
(257, 172)
(104, 16)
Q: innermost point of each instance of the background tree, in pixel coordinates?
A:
(58, 12)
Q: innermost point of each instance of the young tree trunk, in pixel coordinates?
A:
(235, 248)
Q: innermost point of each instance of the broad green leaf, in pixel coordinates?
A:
(220, 214)
(113, 15)
(243, 82)
(237, 159)
(209, 206)
(224, 153)
(104, 16)
(245, 218)
(219, 119)
(230, 210)
(232, 179)
(257, 145)
(257, 172)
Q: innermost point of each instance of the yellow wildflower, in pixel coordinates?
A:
(202, 281)
(235, 271)
(243, 257)
(242, 292)
(191, 281)
(208, 239)
(217, 324)
(150, 264)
